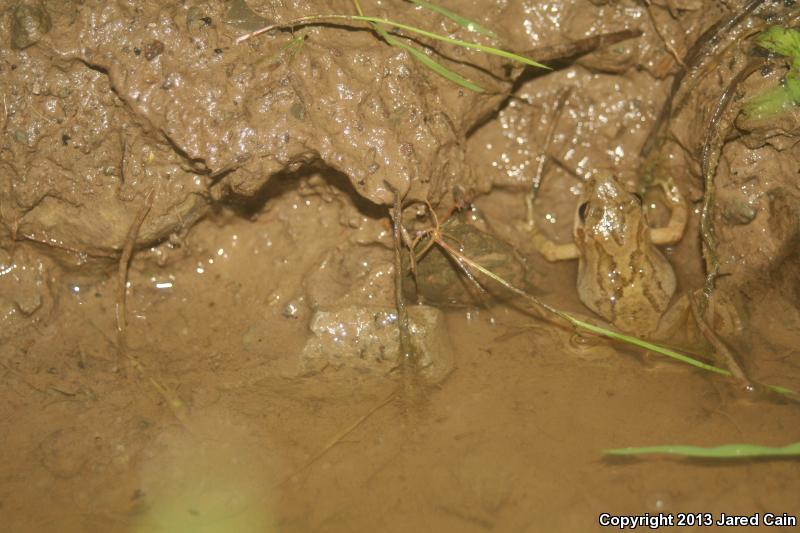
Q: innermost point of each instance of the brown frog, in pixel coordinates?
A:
(622, 276)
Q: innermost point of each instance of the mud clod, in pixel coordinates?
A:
(29, 24)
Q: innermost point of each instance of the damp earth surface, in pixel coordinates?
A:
(199, 319)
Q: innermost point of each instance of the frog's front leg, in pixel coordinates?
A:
(553, 251)
(679, 214)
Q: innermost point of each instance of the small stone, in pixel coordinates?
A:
(153, 49)
(366, 340)
(292, 310)
(28, 25)
(739, 213)
(240, 16)
(298, 111)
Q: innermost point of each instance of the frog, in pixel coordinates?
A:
(623, 277)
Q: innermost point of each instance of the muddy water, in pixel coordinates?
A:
(260, 387)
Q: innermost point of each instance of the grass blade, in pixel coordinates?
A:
(458, 19)
(635, 341)
(423, 58)
(439, 69)
(374, 20)
(726, 451)
(464, 44)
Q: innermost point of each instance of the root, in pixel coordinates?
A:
(412, 388)
(408, 356)
(713, 144)
(176, 405)
(721, 350)
(436, 237)
(687, 77)
(122, 272)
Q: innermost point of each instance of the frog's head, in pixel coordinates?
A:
(610, 216)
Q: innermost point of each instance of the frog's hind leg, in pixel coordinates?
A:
(679, 214)
(674, 331)
(721, 351)
(675, 320)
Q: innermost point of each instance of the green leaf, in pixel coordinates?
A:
(783, 41)
(778, 100)
(726, 451)
(458, 19)
(768, 104)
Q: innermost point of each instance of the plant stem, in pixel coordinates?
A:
(313, 19)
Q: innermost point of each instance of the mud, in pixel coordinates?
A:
(260, 386)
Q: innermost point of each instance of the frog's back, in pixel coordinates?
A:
(633, 294)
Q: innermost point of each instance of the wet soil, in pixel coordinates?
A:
(259, 385)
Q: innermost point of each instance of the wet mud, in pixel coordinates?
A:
(240, 194)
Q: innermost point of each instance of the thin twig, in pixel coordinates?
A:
(555, 52)
(5, 113)
(536, 182)
(53, 243)
(124, 151)
(337, 439)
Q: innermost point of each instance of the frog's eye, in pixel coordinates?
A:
(582, 209)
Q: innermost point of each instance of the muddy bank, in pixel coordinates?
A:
(112, 101)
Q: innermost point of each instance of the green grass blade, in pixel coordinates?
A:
(458, 19)
(427, 61)
(726, 451)
(294, 45)
(781, 390)
(464, 44)
(315, 19)
(663, 350)
(434, 66)
(646, 345)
